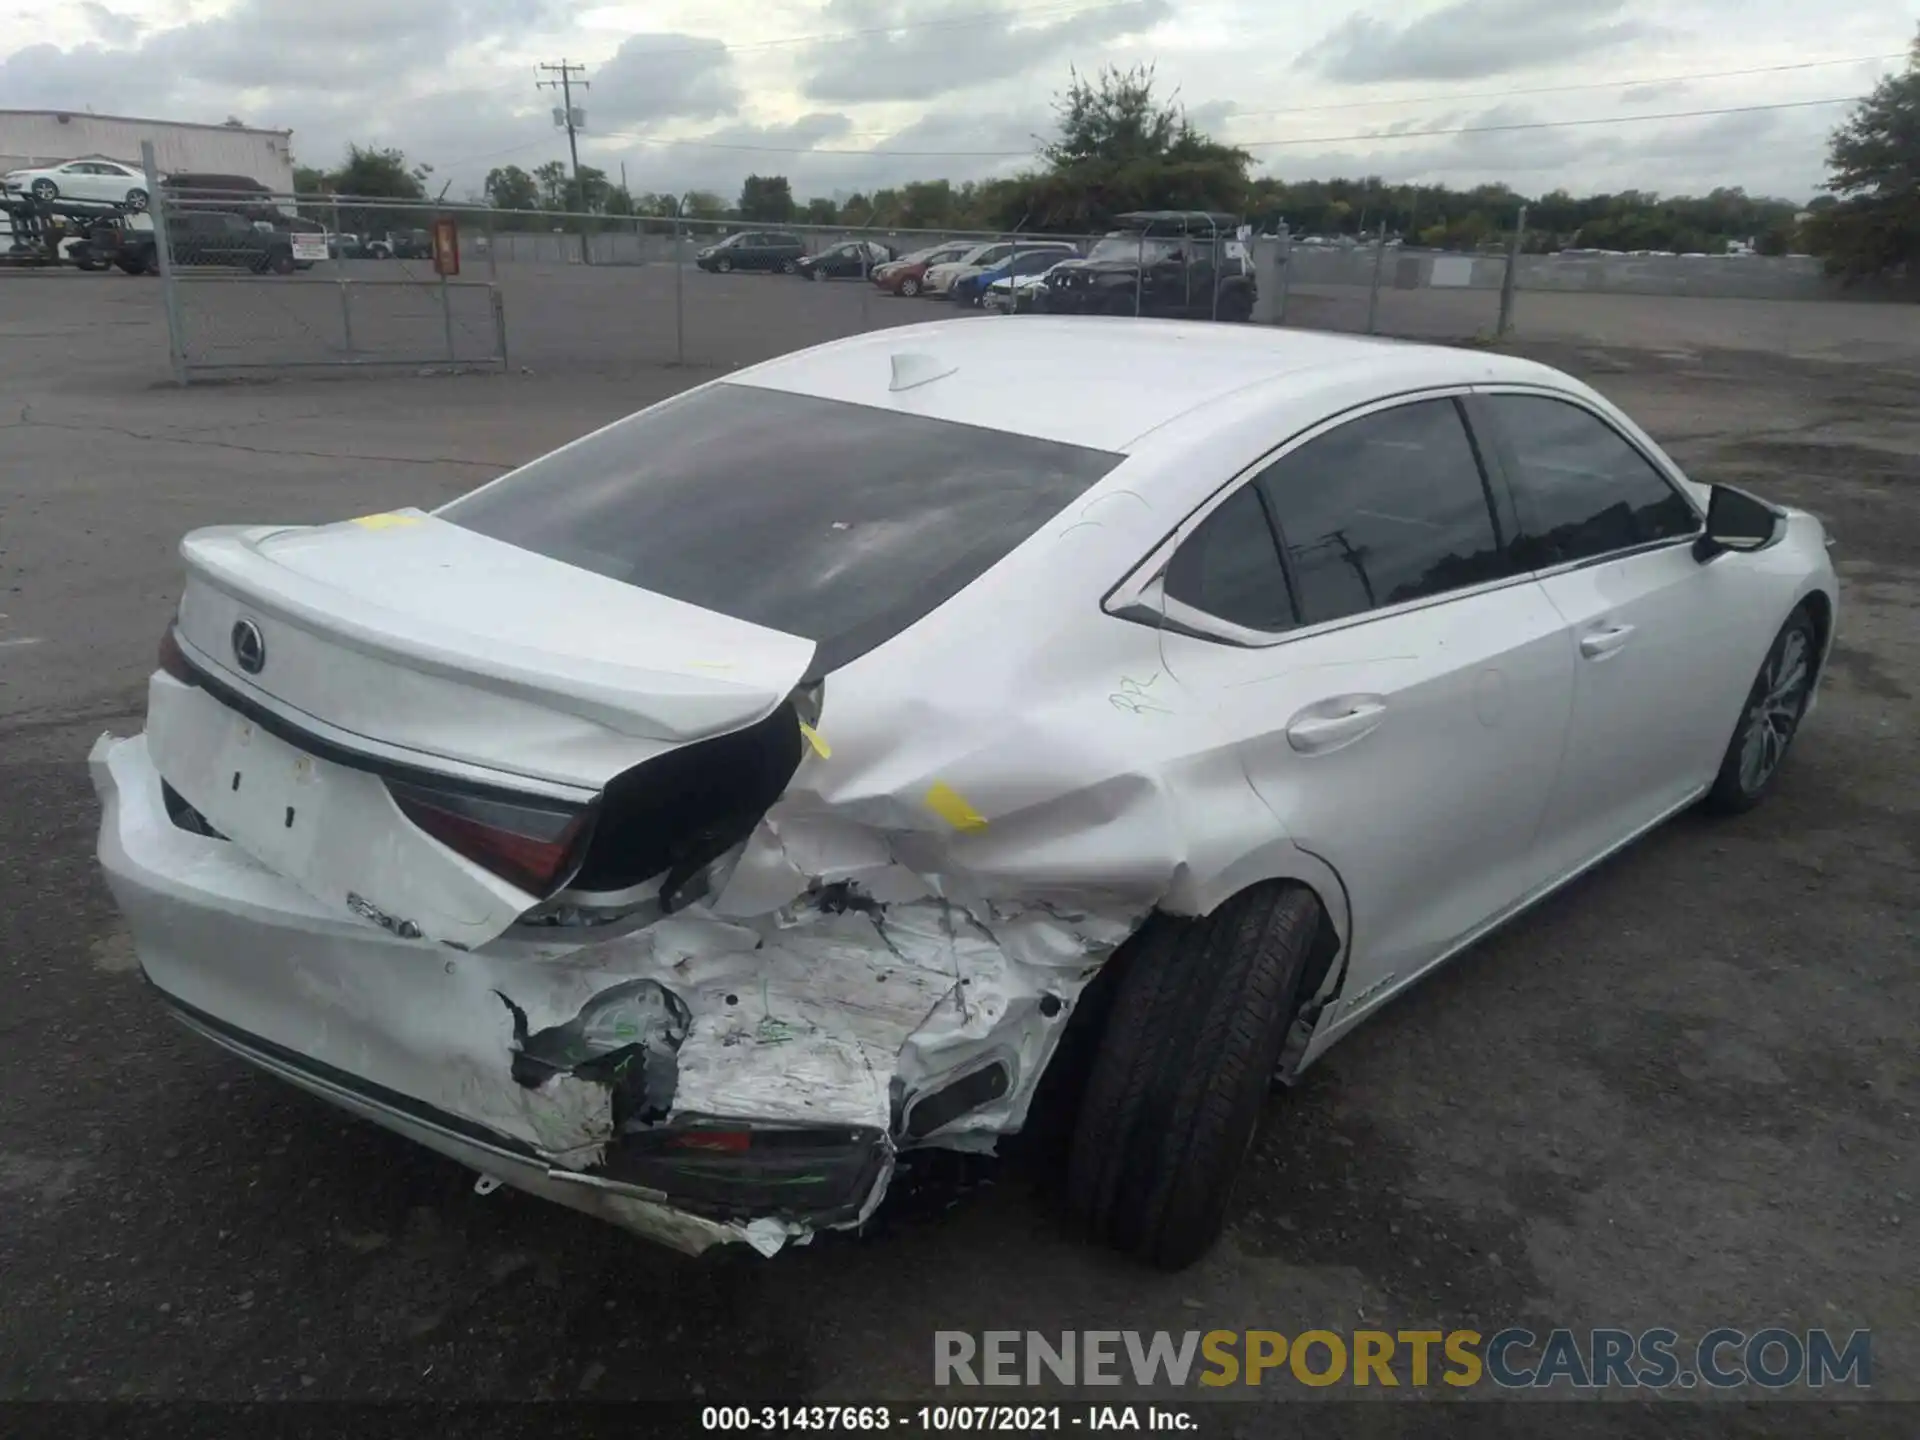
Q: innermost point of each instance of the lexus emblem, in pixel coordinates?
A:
(249, 646)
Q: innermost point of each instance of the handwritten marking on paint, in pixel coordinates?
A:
(25, 640)
(813, 738)
(951, 806)
(386, 522)
(1136, 697)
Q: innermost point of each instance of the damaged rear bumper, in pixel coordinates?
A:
(838, 1170)
(699, 1080)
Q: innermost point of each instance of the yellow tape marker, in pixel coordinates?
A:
(951, 806)
(812, 736)
(385, 522)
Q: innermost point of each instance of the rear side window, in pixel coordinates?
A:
(1383, 510)
(1230, 567)
(1582, 489)
(840, 523)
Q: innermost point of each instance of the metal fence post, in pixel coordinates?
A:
(1373, 295)
(1286, 271)
(679, 296)
(162, 251)
(1509, 281)
(446, 316)
(499, 326)
(346, 316)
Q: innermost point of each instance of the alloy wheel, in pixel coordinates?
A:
(1780, 698)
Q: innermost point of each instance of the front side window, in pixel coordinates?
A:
(838, 522)
(1132, 249)
(1385, 509)
(1582, 489)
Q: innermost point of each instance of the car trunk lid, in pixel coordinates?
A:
(418, 723)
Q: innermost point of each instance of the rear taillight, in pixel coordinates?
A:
(536, 847)
(173, 660)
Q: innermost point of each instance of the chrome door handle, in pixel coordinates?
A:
(1313, 733)
(1598, 644)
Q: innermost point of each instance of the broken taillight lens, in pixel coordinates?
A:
(534, 846)
(173, 660)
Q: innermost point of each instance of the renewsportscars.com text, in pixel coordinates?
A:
(1512, 1359)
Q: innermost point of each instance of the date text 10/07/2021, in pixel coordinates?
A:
(946, 1419)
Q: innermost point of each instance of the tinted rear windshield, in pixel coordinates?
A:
(841, 523)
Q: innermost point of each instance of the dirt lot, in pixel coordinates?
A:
(1682, 1093)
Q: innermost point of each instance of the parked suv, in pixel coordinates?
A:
(1171, 264)
(755, 250)
(205, 238)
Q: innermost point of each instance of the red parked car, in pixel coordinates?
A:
(905, 275)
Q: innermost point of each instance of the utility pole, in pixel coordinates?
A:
(566, 71)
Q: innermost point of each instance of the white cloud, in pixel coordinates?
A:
(862, 90)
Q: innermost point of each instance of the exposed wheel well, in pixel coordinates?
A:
(1056, 1101)
(1819, 608)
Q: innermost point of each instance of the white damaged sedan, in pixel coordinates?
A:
(689, 823)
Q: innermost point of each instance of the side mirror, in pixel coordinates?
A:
(1737, 521)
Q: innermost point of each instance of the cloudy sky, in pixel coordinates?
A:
(846, 94)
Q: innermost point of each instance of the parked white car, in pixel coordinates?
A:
(99, 180)
(939, 278)
(688, 823)
(1011, 293)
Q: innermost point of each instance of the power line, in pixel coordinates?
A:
(1238, 114)
(1552, 124)
(1259, 144)
(987, 17)
(1567, 89)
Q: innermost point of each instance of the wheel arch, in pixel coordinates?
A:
(1283, 862)
(1820, 609)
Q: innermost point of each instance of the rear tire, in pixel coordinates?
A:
(1183, 1072)
(1770, 718)
(44, 189)
(281, 264)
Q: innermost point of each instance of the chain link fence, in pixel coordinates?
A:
(260, 282)
(1381, 287)
(282, 283)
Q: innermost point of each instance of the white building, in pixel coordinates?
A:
(49, 137)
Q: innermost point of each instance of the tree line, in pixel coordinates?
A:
(1119, 147)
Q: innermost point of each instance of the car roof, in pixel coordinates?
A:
(1106, 382)
(1156, 219)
